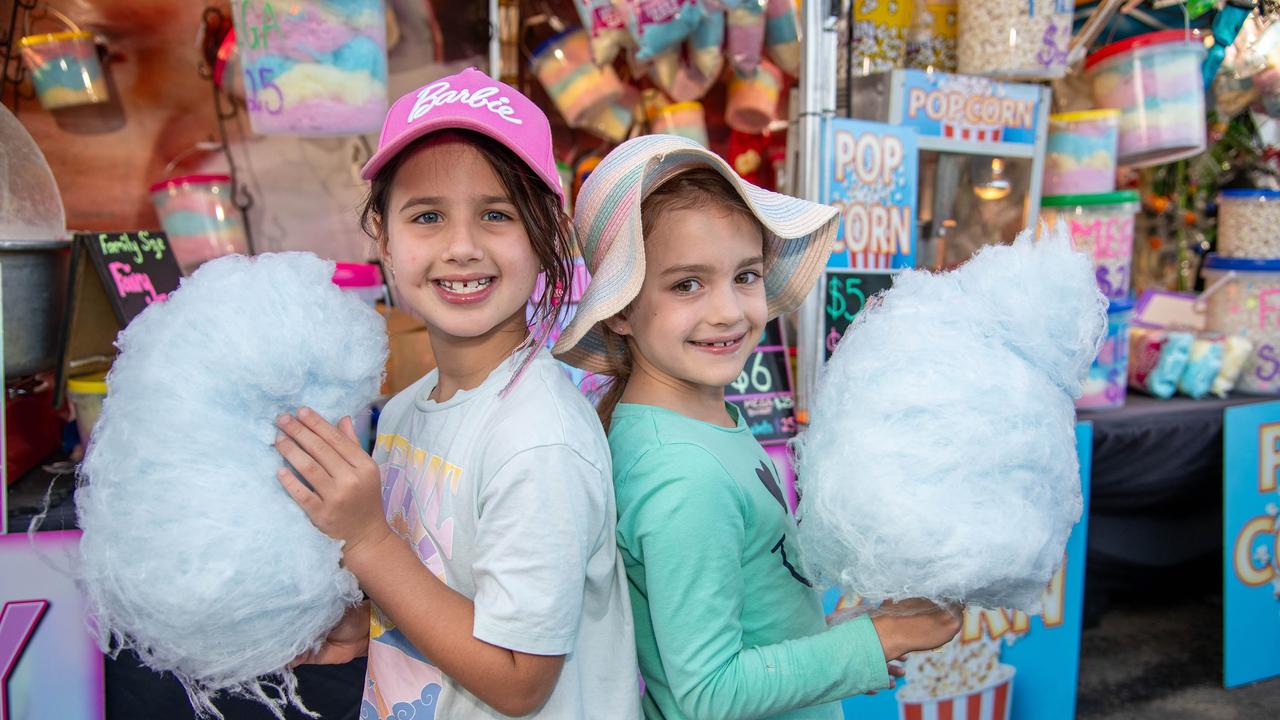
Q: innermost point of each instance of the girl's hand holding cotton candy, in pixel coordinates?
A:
(192, 555)
(342, 495)
(940, 460)
(915, 624)
(348, 640)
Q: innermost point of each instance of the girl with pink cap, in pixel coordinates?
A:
(482, 529)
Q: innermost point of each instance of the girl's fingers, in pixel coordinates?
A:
(318, 447)
(348, 427)
(306, 499)
(302, 461)
(342, 446)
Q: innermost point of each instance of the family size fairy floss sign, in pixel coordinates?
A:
(869, 174)
(1005, 664)
(1251, 543)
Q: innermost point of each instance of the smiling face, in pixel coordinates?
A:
(702, 306)
(458, 248)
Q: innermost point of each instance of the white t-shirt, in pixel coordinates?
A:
(510, 502)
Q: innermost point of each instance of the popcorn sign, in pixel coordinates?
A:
(1251, 543)
(971, 109)
(870, 172)
(1003, 664)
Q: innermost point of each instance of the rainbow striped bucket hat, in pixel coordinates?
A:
(798, 235)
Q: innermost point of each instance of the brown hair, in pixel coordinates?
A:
(549, 229)
(701, 189)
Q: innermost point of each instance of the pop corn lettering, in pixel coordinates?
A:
(962, 108)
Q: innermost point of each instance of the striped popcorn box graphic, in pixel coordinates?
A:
(977, 133)
(991, 701)
(868, 260)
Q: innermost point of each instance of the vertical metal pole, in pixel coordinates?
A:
(495, 41)
(817, 96)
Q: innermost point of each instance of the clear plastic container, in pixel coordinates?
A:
(1156, 83)
(1081, 154)
(686, 119)
(199, 218)
(578, 87)
(1102, 226)
(313, 67)
(1015, 39)
(931, 40)
(86, 394)
(1107, 383)
(361, 279)
(1249, 223)
(1242, 297)
(879, 36)
(65, 69)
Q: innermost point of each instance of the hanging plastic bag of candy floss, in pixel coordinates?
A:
(954, 481)
(746, 31)
(660, 26)
(606, 25)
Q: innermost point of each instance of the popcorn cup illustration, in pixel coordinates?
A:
(962, 681)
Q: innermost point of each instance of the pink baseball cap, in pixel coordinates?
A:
(470, 100)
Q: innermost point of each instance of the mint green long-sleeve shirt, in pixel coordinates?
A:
(726, 624)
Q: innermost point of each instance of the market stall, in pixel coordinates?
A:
(936, 128)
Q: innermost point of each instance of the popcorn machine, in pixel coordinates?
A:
(982, 148)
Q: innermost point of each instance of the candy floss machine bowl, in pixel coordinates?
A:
(35, 257)
(33, 281)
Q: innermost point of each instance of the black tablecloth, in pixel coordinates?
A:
(1156, 489)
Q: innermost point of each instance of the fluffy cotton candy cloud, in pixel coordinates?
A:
(193, 555)
(940, 460)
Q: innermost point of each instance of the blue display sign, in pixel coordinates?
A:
(870, 175)
(968, 108)
(1251, 543)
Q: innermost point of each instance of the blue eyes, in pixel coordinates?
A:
(431, 217)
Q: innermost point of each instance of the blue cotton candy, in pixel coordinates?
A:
(1163, 380)
(193, 555)
(940, 460)
(659, 26)
(1203, 363)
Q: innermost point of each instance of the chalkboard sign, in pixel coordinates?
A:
(113, 277)
(763, 391)
(844, 294)
(136, 268)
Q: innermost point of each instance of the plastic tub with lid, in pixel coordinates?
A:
(1242, 297)
(86, 393)
(1106, 385)
(1155, 82)
(200, 218)
(361, 279)
(1249, 223)
(1080, 157)
(64, 68)
(1102, 225)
